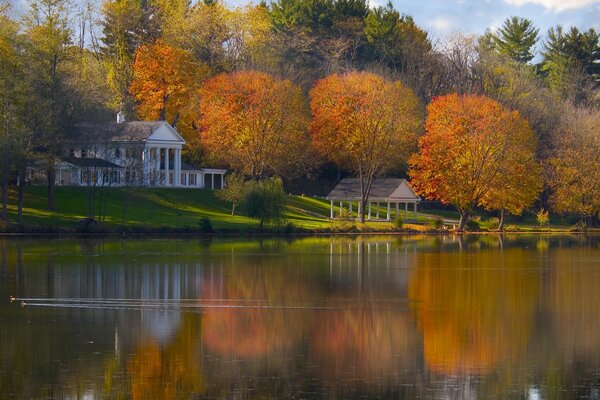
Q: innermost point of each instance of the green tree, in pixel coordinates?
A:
(126, 25)
(516, 39)
(235, 190)
(48, 51)
(266, 201)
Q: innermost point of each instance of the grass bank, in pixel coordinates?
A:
(154, 210)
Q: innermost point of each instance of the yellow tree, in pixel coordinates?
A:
(364, 123)
(574, 164)
(254, 122)
(165, 85)
(476, 153)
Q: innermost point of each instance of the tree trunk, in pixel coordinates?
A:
(51, 174)
(21, 192)
(501, 223)
(5, 199)
(232, 209)
(363, 209)
(464, 217)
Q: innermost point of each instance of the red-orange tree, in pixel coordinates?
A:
(165, 85)
(364, 123)
(476, 153)
(254, 122)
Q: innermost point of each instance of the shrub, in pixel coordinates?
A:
(473, 225)
(491, 224)
(437, 222)
(265, 201)
(543, 218)
(398, 222)
(345, 215)
(205, 225)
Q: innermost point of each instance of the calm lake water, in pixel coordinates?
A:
(315, 318)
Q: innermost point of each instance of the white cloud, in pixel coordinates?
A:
(555, 5)
(441, 24)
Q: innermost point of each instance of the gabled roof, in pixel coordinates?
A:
(90, 162)
(130, 131)
(389, 189)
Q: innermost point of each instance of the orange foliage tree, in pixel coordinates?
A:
(476, 153)
(364, 123)
(254, 122)
(165, 85)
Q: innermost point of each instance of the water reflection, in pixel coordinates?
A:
(387, 317)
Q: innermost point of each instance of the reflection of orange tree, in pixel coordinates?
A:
(171, 371)
(475, 310)
(253, 331)
(365, 341)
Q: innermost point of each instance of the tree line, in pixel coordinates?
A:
(276, 90)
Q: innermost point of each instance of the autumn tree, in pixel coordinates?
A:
(254, 123)
(516, 39)
(474, 150)
(364, 123)
(574, 162)
(165, 85)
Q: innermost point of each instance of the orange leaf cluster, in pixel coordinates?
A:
(254, 122)
(165, 84)
(476, 153)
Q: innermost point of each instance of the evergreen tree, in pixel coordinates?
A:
(515, 39)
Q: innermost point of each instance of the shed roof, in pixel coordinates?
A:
(388, 189)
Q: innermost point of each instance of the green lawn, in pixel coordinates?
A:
(179, 208)
(152, 207)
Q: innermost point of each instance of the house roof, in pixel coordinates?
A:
(388, 189)
(130, 131)
(90, 162)
(189, 167)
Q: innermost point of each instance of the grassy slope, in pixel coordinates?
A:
(174, 208)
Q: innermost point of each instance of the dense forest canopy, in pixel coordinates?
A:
(61, 64)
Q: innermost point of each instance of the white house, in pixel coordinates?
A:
(135, 153)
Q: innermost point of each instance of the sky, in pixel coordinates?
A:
(442, 18)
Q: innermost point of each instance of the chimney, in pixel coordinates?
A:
(120, 117)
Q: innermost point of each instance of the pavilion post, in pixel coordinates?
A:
(397, 210)
(405, 210)
(369, 211)
(389, 216)
(377, 215)
(350, 207)
(359, 208)
(415, 211)
(331, 210)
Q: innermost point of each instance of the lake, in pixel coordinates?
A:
(383, 317)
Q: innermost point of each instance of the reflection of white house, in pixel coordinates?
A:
(137, 153)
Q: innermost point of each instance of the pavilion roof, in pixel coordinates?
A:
(387, 189)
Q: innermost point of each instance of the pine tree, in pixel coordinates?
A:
(515, 39)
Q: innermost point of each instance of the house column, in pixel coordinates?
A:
(156, 166)
(177, 177)
(212, 181)
(167, 166)
(146, 166)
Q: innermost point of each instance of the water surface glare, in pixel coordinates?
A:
(471, 317)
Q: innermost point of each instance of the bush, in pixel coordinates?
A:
(437, 222)
(543, 218)
(265, 201)
(398, 222)
(345, 215)
(205, 225)
(473, 225)
(491, 224)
